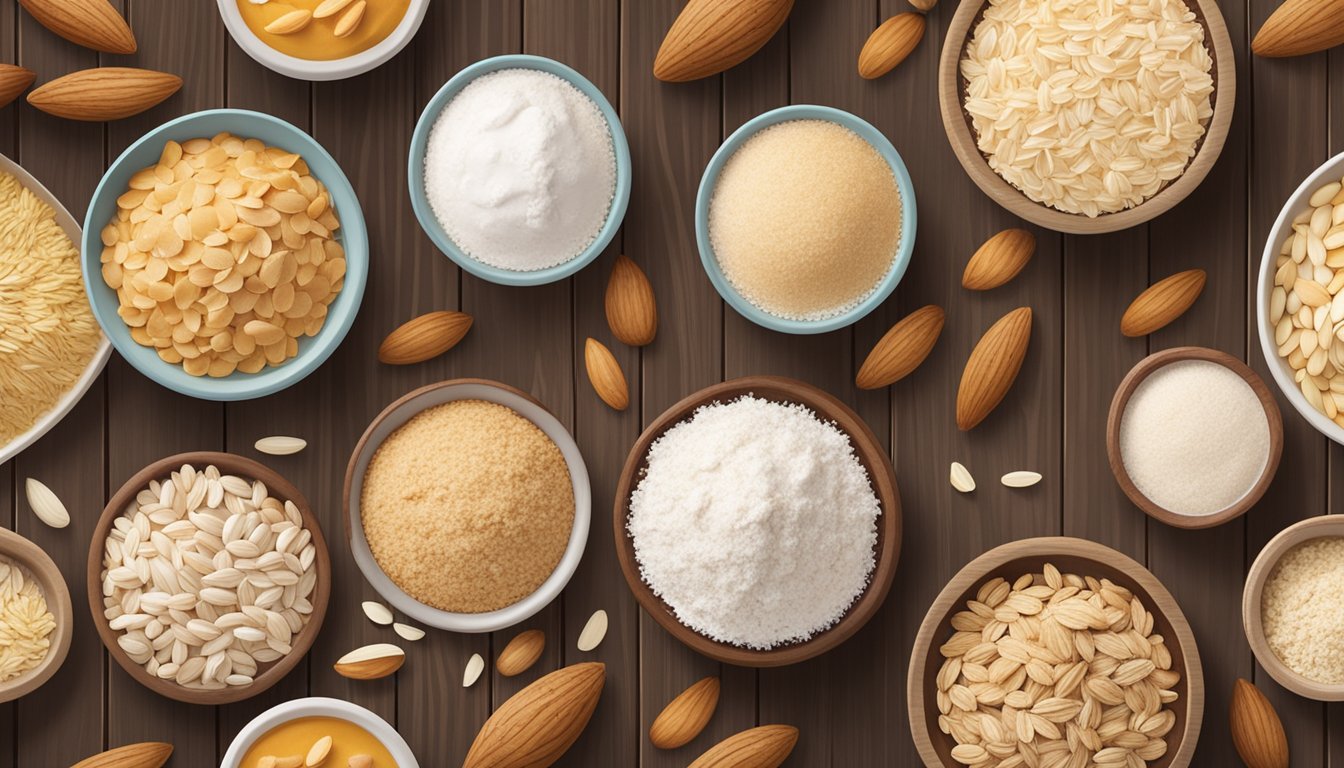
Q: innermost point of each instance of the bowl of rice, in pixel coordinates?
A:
(51, 349)
(1091, 117)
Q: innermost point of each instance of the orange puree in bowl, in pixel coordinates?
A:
(318, 41)
(297, 736)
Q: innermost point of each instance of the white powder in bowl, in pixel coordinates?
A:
(755, 522)
(520, 170)
(1302, 609)
(1194, 437)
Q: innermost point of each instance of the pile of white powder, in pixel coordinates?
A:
(520, 170)
(755, 522)
(1194, 437)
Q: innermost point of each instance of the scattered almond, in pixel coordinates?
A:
(593, 631)
(347, 23)
(521, 653)
(91, 23)
(329, 8)
(685, 716)
(317, 754)
(361, 761)
(148, 754)
(632, 311)
(279, 445)
(1299, 27)
(472, 672)
(1163, 302)
(105, 93)
(902, 348)
(13, 81)
(1257, 731)
(46, 504)
(605, 374)
(924, 5)
(889, 44)
(713, 35)
(767, 746)
(1021, 479)
(290, 23)
(992, 367)
(424, 337)
(961, 478)
(999, 260)
(407, 632)
(377, 612)
(539, 723)
(286, 761)
(371, 662)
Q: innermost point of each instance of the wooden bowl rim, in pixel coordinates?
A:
(939, 615)
(882, 478)
(961, 135)
(275, 483)
(54, 590)
(1324, 526)
(1141, 371)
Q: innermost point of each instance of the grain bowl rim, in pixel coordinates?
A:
(318, 706)
(27, 553)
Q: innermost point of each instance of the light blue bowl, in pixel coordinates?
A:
(415, 172)
(711, 178)
(352, 235)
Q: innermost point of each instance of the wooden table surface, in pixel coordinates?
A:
(850, 703)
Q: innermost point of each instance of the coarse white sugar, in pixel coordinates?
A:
(755, 522)
(1194, 437)
(1302, 609)
(520, 170)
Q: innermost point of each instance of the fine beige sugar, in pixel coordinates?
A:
(1303, 610)
(806, 219)
(468, 506)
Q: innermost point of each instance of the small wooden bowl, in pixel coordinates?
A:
(267, 674)
(961, 133)
(1125, 391)
(870, 454)
(1070, 555)
(48, 576)
(1326, 526)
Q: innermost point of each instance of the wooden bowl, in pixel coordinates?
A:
(1070, 555)
(1297, 533)
(57, 595)
(870, 454)
(1126, 390)
(268, 674)
(961, 133)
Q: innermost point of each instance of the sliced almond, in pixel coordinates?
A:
(961, 478)
(377, 612)
(317, 754)
(280, 445)
(361, 761)
(1021, 479)
(329, 8)
(371, 662)
(350, 20)
(593, 631)
(290, 23)
(46, 505)
(407, 632)
(472, 673)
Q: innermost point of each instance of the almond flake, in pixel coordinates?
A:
(46, 505)
(961, 478)
(377, 612)
(1021, 479)
(475, 665)
(407, 632)
(593, 631)
(280, 445)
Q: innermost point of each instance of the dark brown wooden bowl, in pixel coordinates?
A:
(1084, 558)
(1125, 391)
(267, 674)
(870, 454)
(48, 577)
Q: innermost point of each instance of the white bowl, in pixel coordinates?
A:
(71, 228)
(317, 706)
(401, 411)
(335, 69)
(1332, 169)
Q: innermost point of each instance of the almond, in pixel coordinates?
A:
(1162, 302)
(1301, 26)
(992, 367)
(685, 716)
(317, 754)
(290, 23)
(1257, 731)
(902, 348)
(91, 23)
(632, 311)
(370, 662)
(147, 754)
(765, 747)
(106, 93)
(605, 375)
(329, 8)
(13, 81)
(536, 725)
(713, 35)
(890, 44)
(999, 260)
(521, 652)
(361, 761)
(424, 337)
(924, 5)
(350, 19)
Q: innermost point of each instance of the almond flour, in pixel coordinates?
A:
(1303, 610)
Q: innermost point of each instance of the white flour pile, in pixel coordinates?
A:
(520, 170)
(755, 522)
(1194, 437)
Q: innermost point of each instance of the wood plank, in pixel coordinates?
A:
(1334, 491)
(9, 143)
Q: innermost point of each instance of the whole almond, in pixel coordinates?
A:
(999, 260)
(521, 652)
(685, 716)
(992, 367)
(147, 754)
(1162, 302)
(424, 337)
(350, 19)
(91, 23)
(605, 374)
(370, 662)
(13, 81)
(632, 311)
(317, 754)
(1301, 26)
(764, 747)
(536, 725)
(1257, 731)
(713, 35)
(902, 348)
(889, 44)
(924, 5)
(106, 93)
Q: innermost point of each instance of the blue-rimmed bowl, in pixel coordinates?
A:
(352, 235)
(711, 179)
(415, 172)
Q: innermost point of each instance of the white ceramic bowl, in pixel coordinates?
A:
(335, 69)
(401, 411)
(1331, 170)
(317, 706)
(71, 228)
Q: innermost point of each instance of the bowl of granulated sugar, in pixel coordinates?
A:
(1194, 437)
